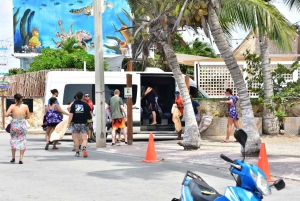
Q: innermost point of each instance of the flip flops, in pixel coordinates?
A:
(224, 141)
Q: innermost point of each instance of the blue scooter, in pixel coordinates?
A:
(251, 182)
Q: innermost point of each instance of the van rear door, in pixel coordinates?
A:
(164, 87)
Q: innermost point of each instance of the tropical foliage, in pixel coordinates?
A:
(284, 92)
(196, 47)
(162, 19)
(71, 45)
(55, 59)
(71, 55)
(16, 71)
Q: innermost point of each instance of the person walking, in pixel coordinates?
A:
(18, 129)
(232, 113)
(80, 113)
(179, 105)
(91, 104)
(118, 115)
(150, 95)
(54, 93)
(53, 117)
(196, 107)
(69, 109)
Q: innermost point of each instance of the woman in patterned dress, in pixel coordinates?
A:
(18, 130)
(232, 113)
(54, 109)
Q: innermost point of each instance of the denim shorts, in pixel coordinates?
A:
(79, 128)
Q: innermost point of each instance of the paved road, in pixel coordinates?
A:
(58, 175)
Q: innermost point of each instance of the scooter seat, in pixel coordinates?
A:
(201, 191)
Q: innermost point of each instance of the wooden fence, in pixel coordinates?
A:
(29, 85)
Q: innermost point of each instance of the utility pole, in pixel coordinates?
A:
(129, 111)
(99, 76)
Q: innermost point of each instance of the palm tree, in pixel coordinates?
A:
(160, 24)
(275, 27)
(71, 45)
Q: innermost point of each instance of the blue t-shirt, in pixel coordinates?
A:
(195, 105)
(57, 103)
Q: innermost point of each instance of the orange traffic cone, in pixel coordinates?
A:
(263, 163)
(151, 154)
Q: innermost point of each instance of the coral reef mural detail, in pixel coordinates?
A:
(46, 23)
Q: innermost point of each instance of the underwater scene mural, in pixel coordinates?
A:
(46, 23)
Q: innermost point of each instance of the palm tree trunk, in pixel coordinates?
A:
(254, 141)
(270, 121)
(191, 138)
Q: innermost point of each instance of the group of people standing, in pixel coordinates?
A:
(79, 122)
(80, 118)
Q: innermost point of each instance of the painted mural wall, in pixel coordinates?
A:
(45, 23)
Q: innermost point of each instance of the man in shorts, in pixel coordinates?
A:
(91, 104)
(79, 114)
(118, 115)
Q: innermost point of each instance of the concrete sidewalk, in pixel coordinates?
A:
(282, 163)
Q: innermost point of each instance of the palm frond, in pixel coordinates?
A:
(262, 18)
(293, 4)
(176, 25)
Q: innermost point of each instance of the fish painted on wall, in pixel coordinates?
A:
(89, 10)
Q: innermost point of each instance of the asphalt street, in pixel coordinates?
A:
(58, 175)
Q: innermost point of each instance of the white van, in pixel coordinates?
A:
(68, 83)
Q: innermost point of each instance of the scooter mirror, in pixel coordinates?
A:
(241, 136)
(279, 184)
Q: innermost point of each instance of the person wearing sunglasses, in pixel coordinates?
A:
(91, 104)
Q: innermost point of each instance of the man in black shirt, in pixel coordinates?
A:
(79, 114)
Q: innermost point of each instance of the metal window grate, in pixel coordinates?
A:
(214, 79)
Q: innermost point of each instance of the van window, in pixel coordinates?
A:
(71, 90)
(110, 88)
(195, 93)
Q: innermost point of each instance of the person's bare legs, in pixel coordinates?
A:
(13, 153)
(198, 120)
(179, 135)
(54, 144)
(48, 133)
(73, 137)
(22, 151)
(83, 139)
(119, 136)
(89, 133)
(124, 131)
(113, 136)
(84, 144)
(236, 123)
(154, 118)
(76, 139)
(229, 127)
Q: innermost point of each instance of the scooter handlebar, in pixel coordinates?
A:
(226, 158)
(232, 163)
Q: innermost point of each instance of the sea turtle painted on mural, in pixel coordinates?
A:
(82, 36)
(89, 11)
